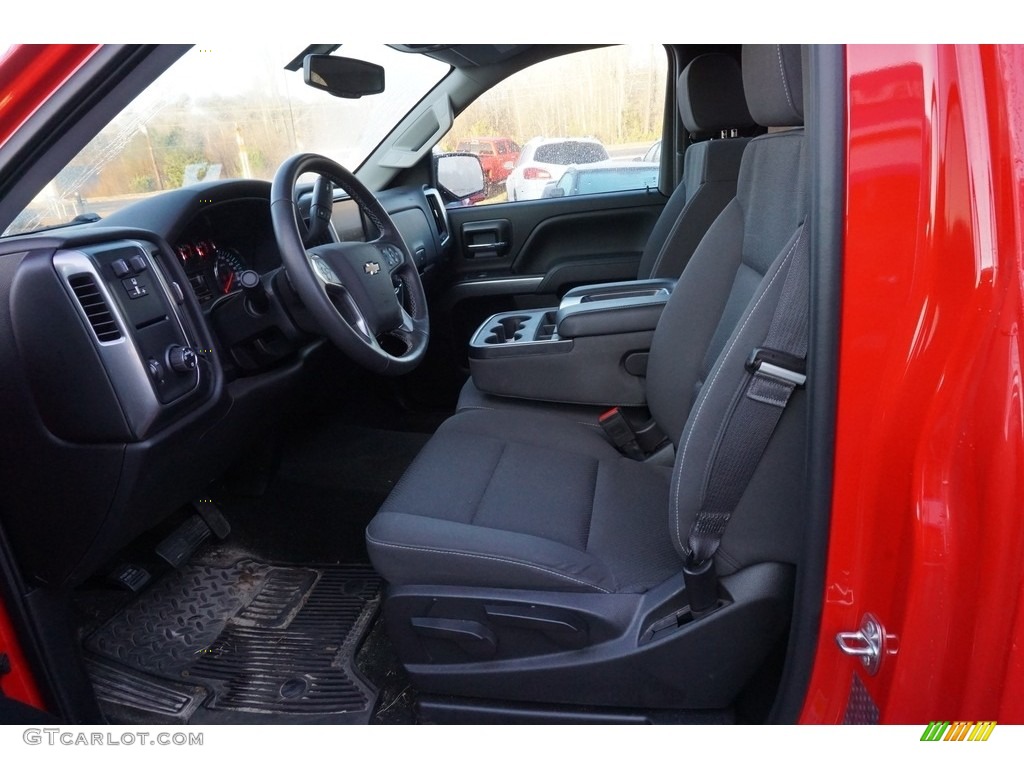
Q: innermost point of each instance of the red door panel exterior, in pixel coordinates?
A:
(18, 683)
(29, 75)
(928, 527)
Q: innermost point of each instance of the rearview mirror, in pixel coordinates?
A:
(342, 77)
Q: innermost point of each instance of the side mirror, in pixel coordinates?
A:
(342, 77)
(459, 175)
(553, 190)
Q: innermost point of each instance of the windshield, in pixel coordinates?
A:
(227, 113)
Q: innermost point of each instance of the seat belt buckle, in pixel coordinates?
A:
(778, 365)
(701, 581)
(620, 433)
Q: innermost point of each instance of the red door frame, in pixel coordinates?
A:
(29, 75)
(18, 683)
(927, 525)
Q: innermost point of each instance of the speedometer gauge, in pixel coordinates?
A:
(226, 268)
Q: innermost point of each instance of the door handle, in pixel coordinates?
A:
(499, 245)
(486, 239)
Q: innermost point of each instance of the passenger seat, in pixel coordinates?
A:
(713, 108)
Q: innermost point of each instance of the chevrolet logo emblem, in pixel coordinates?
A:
(371, 267)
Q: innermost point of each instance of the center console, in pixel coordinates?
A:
(591, 349)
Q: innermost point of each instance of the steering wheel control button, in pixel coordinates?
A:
(138, 264)
(181, 359)
(324, 270)
(120, 268)
(392, 255)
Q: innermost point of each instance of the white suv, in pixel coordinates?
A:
(543, 161)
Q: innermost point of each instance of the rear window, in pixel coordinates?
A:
(476, 147)
(570, 153)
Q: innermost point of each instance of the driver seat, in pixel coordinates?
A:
(528, 559)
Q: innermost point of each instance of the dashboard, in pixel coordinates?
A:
(222, 230)
(141, 354)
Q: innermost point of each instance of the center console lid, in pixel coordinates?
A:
(608, 308)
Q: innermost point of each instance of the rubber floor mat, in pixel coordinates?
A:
(246, 642)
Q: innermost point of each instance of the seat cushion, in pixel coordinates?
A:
(525, 501)
(472, 398)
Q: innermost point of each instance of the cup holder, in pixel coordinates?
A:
(508, 329)
(548, 326)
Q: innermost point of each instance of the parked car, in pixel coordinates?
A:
(543, 160)
(497, 155)
(653, 153)
(209, 389)
(604, 176)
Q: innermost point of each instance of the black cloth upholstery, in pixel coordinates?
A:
(473, 399)
(710, 171)
(724, 274)
(773, 82)
(711, 95)
(536, 500)
(502, 499)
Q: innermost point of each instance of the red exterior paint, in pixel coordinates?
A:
(29, 74)
(928, 514)
(19, 683)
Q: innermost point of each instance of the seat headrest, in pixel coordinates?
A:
(711, 95)
(773, 81)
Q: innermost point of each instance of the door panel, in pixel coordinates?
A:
(527, 254)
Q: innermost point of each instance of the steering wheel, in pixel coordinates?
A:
(367, 297)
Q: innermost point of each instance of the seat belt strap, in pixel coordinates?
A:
(773, 372)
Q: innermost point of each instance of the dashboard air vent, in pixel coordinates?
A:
(440, 217)
(95, 307)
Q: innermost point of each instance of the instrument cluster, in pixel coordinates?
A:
(212, 268)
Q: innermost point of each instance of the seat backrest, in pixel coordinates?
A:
(711, 103)
(721, 310)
